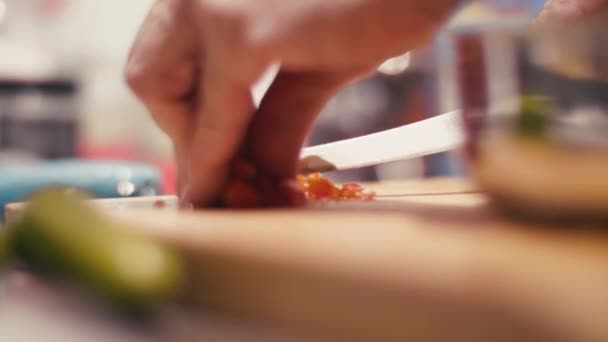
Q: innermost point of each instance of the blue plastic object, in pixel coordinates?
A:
(102, 179)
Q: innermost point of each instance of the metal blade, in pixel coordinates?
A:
(437, 134)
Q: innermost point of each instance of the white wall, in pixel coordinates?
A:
(94, 36)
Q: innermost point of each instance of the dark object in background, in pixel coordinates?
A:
(39, 117)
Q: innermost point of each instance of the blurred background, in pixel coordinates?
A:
(62, 93)
(63, 97)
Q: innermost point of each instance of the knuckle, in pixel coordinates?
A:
(132, 76)
(136, 80)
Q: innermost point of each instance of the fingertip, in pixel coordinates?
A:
(184, 198)
(291, 192)
(185, 205)
(241, 194)
(205, 184)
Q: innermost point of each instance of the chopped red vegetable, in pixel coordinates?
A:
(316, 187)
(250, 188)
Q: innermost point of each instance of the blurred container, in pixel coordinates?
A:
(39, 117)
(535, 104)
(102, 179)
(471, 14)
(38, 99)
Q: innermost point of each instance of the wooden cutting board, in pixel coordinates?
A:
(431, 260)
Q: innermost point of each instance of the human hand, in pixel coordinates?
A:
(194, 61)
(567, 10)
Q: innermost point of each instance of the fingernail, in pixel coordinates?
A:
(185, 203)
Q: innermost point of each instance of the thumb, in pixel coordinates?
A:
(556, 11)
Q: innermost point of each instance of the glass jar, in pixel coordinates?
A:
(535, 106)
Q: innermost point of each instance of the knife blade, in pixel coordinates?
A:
(435, 135)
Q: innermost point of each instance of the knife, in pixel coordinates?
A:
(435, 135)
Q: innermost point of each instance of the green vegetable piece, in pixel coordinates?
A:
(533, 119)
(5, 253)
(60, 236)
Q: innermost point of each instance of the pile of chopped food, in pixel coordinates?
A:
(317, 187)
(250, 188)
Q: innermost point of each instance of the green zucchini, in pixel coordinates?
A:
(61, 236)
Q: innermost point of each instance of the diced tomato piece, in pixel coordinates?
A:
(352, 187)
(351, 191)
(316, 186)
(320, 188)
(160, 204)
(302, 182)
(368, 196)
(240, 194)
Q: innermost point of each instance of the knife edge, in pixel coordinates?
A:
(434, 135)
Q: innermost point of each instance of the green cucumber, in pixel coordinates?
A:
(60, 236)
(533, 118)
